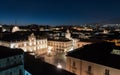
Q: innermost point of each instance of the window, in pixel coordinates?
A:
(6, 73)
(74, 63)
(8, 60)
(20, 56)
(20, 72)
(89, 68)
(10, 73)
(14, 57)
(89, 71)
(107, 72)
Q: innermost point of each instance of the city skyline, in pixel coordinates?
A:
(56, 12)
(60, 50)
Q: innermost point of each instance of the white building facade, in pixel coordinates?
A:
(82, 67)
(32, 44)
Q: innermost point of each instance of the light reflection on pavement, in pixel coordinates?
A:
(55, 59)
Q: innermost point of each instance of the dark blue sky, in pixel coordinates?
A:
(57, 11)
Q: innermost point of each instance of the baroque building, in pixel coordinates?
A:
(60, 45)
(94, 59)
(29, 43)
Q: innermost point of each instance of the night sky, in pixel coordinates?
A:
(55, 12)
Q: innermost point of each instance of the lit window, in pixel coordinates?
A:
(34, 48)
(38, 42)
(31, 50)
(38, 47)
(30, 43)
(16, 46)
(24, 44)
(12, 46)
(34, 43)
(41, 42)
(25, 50)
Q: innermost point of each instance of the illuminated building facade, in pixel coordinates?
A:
(30, 44)
(15, 29)
(94, 59)
(116, 41)
(60, 45)
(83, 28)
(82, 43)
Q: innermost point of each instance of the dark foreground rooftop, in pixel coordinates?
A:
(39, 67)
(99, 53)
(7, 52)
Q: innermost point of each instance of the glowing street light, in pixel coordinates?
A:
(49, 50)
(59, 66)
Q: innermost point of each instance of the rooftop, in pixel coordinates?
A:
(19, 36)
(60, 40)
(7, 52)
(99, 53)
(91, 40)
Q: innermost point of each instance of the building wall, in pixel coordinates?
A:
(17, 70)
(60, 46)
(39, 45)
(81, 44)
(27, 73)
(13, 65)
(11, 61)
(30, 45)
(82, 67)
(116, 41)
(5, 43)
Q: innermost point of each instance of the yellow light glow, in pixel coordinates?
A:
(59, 66)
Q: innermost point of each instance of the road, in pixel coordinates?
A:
(55, 59)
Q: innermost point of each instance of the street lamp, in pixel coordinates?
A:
(59, 66)
(49, 50)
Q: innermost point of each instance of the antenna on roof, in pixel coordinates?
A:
(15, 22)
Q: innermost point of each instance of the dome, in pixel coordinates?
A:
(15, 28)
